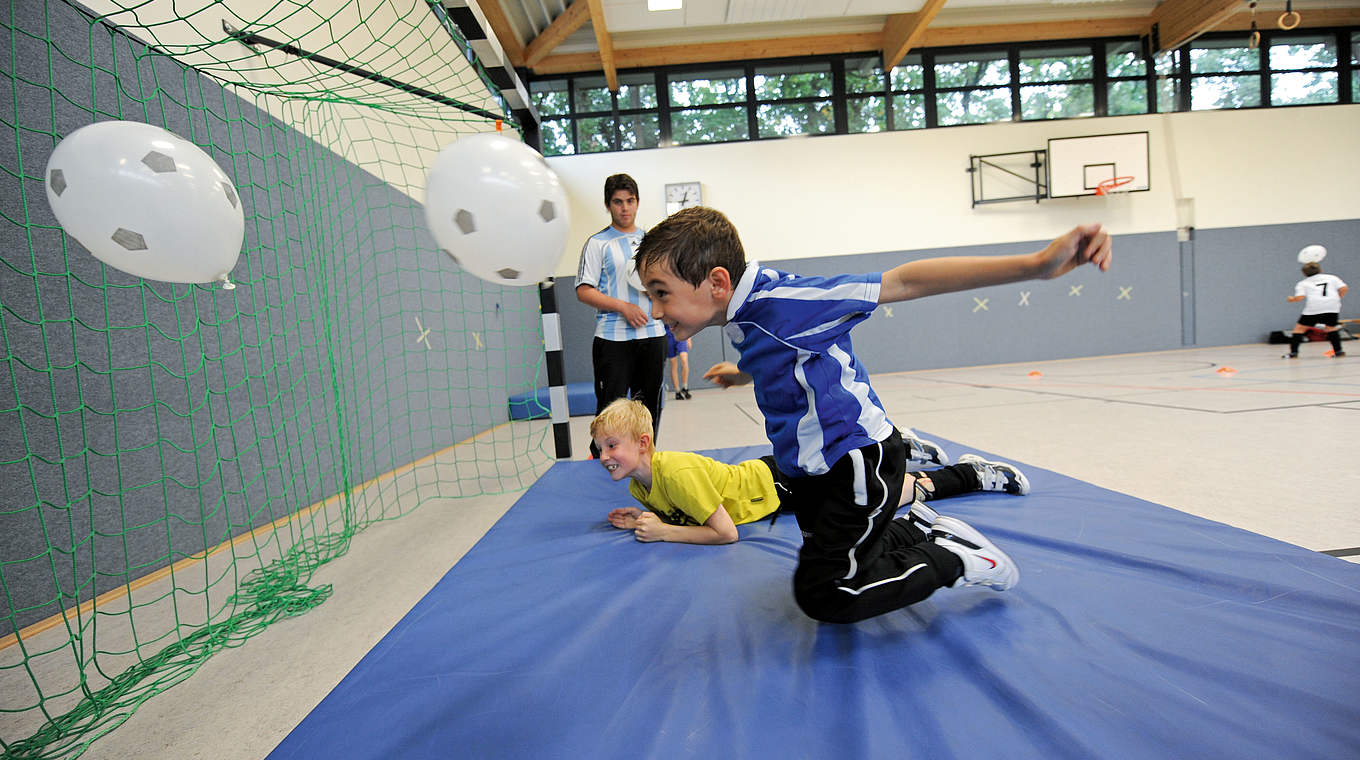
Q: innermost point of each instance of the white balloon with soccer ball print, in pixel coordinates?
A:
(146, 201)
(496, 207)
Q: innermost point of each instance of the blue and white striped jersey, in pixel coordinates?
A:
(607, 264)
(794, 337)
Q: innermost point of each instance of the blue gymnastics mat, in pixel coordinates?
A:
(1137, 631)
(537, 405)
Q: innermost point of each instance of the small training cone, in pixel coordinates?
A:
(1329, 352)
(1036, 373)
(1226, 371)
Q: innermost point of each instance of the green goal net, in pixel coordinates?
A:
(177, 460)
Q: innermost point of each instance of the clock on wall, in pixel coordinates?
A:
(682, 195)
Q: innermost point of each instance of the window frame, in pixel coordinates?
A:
(1177, 75)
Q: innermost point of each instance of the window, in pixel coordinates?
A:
(700, 110)
(831, 94)
(973, 88)
(639, 122)
(865, 101)
(1126, 71)
(1057, 83)
(1224, 74)
(581, 115)
(1170, 83)
(908, 84)
(794, 100)
(1303, 70)
(551, 97)
(1355, 66)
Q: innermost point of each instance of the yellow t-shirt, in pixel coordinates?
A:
(687, 488)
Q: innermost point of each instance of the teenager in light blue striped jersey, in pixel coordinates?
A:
(844, 458)
(629, 350)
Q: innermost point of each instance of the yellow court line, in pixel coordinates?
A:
(84, 608)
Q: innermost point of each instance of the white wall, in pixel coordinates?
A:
(807, 197)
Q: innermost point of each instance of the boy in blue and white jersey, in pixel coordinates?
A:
(629, 349)
(844, 459)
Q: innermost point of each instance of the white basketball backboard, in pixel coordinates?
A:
(1077, 165)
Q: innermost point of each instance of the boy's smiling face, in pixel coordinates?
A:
(624, 456)
(683, 307)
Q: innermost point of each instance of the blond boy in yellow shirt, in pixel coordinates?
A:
(693, 499)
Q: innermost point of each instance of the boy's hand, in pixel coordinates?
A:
(726, 375)
(1086, 243)
(624, 518)
(634, 314)
(649, 528)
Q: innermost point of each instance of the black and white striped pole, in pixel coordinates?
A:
(557, 384)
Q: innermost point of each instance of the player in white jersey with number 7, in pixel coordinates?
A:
(1321, 294)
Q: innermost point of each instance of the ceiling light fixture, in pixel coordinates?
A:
(664, 5)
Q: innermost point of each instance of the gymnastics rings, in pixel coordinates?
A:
(1290, 18)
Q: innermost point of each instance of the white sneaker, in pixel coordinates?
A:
(921, 450)
(922, 517)
(997, 476)
(983, 563)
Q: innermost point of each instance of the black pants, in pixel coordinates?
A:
(631, 369)
(857, 561)
(951, 480)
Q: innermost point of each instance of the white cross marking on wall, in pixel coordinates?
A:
(887, 311)
(1024, 298)
(477, 337)
(424, 331)
(981, 304)
(1074, 290)
(1124, 293)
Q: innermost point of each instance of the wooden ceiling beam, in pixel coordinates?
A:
(576, 15)
(1180, 21)
(606, 47)
(904, 31)
(990, 34)
(505, 33)
(1267, 20)
(713, 52)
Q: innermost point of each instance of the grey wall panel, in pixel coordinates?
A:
(168, 418)
(1082, 314)
(1243, 276)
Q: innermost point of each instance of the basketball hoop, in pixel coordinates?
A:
(1112, 185)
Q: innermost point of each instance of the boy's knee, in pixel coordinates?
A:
(821, 604)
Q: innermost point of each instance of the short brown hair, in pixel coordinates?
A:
(691, 242)
(1311, 268)
(617, 182)
(623, 416)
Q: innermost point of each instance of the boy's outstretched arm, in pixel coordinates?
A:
(1088, 243)
(727, 375)
(718, 529)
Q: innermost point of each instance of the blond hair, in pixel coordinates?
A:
(623, 416)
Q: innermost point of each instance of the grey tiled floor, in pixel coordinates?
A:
(1269, 447)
